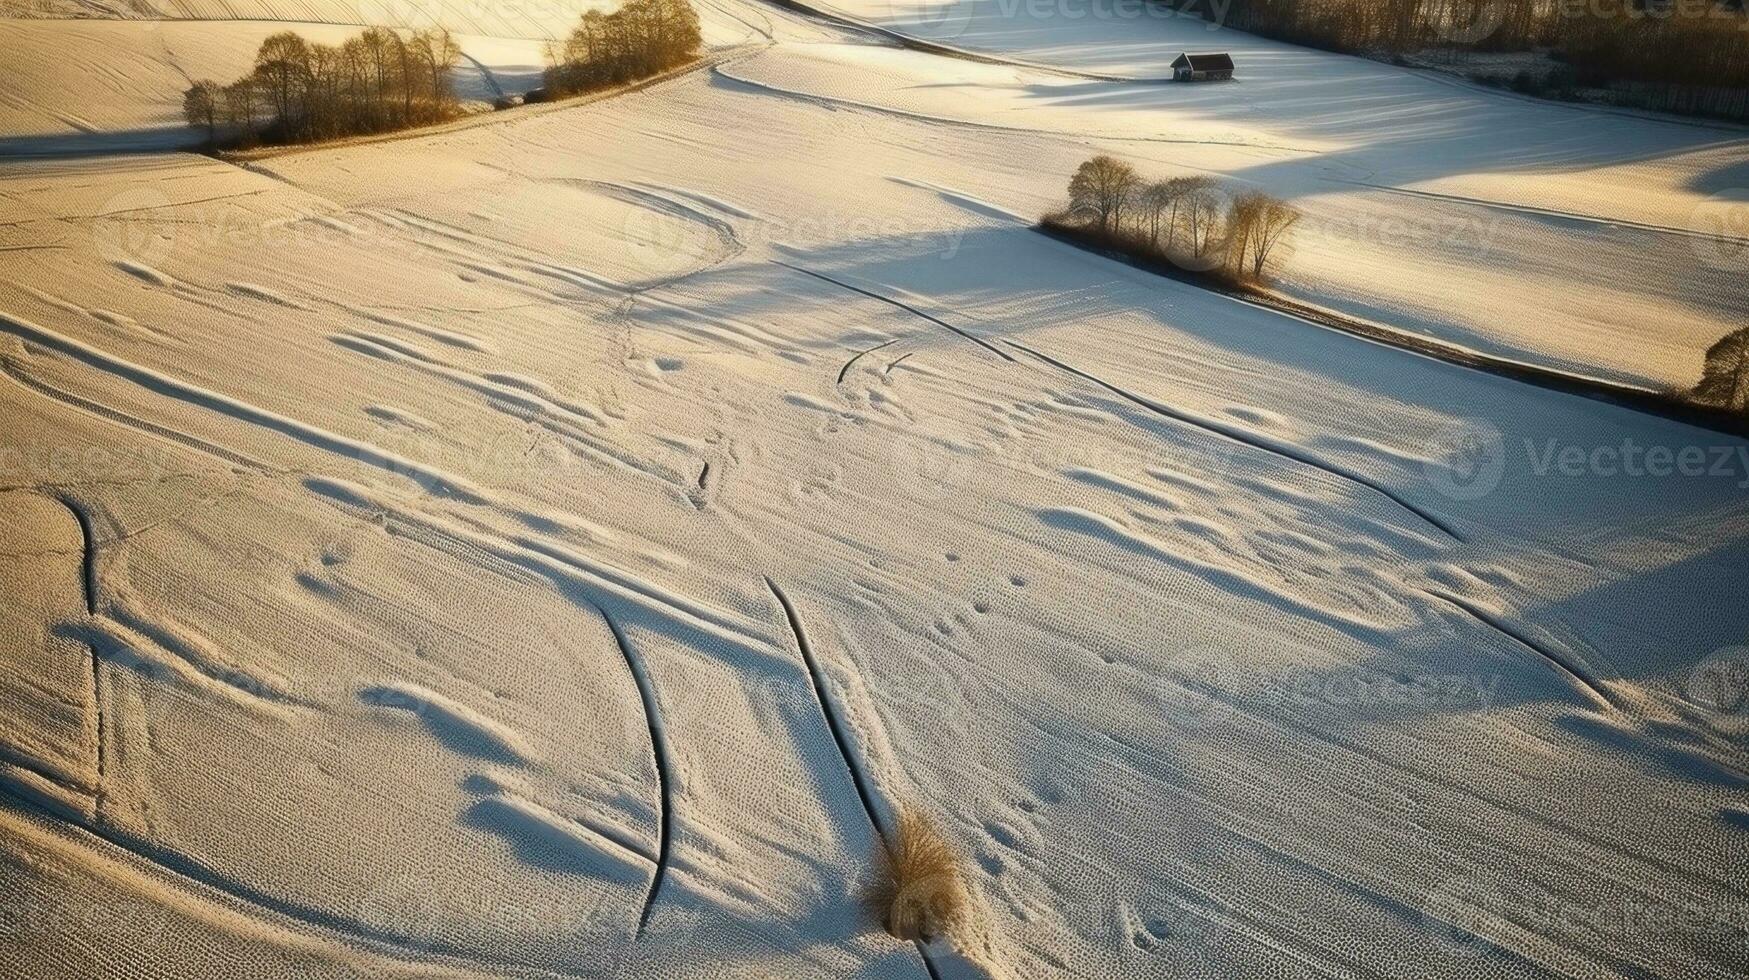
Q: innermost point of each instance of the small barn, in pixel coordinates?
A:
(1215, 66)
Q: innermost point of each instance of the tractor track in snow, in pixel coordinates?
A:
(858, 356)
(663, 762)
(191, 875)
(88, 580)
(1580, 678)
(237, 410)
(1531, 210)
(1238, 435)
(858, 777)
(914, 311)
(817, 681)
(14, 371)
(88, 550)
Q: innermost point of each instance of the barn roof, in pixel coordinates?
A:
(1208, 61)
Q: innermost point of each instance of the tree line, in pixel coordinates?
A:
(1724, 380)
(1680, 55)
(300, 91)
(640, 39)
(1193, 222)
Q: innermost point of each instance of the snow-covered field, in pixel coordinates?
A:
(441, 555)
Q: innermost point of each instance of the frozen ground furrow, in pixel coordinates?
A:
(660, 757)
(125, 420)
(566, 568)
(163, 384)
(1581, 678)
(189, 873)
(1249, 438)
(908, 308)
(853, 764)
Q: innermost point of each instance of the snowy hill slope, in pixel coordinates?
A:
(439, 557)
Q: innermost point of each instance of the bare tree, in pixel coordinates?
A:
(1256, 224)
(379, 51)
(1725, 379)
(1104, 185)
(1201, 208)
(243, 108)
(640, 39)
(437, 53)
(1154, 200)
(203, 106)
(282, 72)
(1180, 190)
(302, 91)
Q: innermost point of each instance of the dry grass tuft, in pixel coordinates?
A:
(921, 895)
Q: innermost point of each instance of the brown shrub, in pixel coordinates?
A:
(921, 894)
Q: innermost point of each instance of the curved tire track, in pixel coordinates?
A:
(858, 778)
(664, 764)
(859, 355)
(1241, 436)
(914, 311)
(1580, 678)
